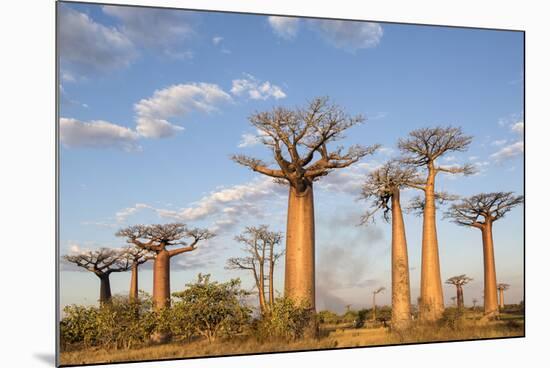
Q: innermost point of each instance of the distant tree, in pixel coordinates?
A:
(136, 256)
(453, 299)
(421, 149)
(260, 245)
(377, 291)
(474, 302)
(102, 262)
(157, 239)
(481, 211)
(382, 188)
(501, 288)
(459, 281)
(211, 309)
(299, 139)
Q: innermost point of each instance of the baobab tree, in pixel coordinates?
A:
(481, 211)
(377, 291)
(453, 299)
(421, 149)
(102, 262)
(298, 140)
(382, 188)
(259, 244)
(136, 256)
(459, 281)
(501, 288)
(157, 239)
(474, 302)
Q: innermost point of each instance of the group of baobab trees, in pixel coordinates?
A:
(299, 141)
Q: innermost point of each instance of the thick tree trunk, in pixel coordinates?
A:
(490, 276)
(431, 290)
(300, 253)
(300, 248)
(161, 280)
(134, 283)
(501, 299)
(104, 289)
(459, 297)
(401, 293)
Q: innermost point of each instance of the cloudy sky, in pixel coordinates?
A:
(153, 102)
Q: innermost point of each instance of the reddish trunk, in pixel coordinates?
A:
(490, 276)
(105, 289)
(459, 297)
(161, 280)
(401, 294)
(134, 283)
(300, 248)
(501, 299)
(431, 290)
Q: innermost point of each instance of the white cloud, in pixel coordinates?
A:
(216, 40)
(96, 133)
(516, 147)
(349, 35)
(256, 90)
(499, 142)
(175, 101)
(517, 127)
(91, 46)
(284, 27)
(248, 140)
(152, 27)
(226, 207)
(513, 150)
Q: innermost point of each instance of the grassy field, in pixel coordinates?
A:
(331, 337)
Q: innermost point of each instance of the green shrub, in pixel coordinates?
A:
(120, 324)
(209, 309)
(286, 320)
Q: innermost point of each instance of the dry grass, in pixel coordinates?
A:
(467, 329)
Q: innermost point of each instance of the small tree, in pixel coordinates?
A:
(211, 309)
(421, 149)
(481, 211)
(259, 244)
(459, 281)
(158, 239)
(102, 262)
(382, 188)
(137, 256)
(474, 302)
(377, 291)
(501, 288)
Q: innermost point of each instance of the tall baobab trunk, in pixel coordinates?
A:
(490, 276)
(105, 289)
(401, 294)
(161, 280)
(134, 283)
(459, 297)
(431, 290)
(300, 248)
(501, 299)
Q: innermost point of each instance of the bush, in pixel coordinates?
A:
(116, 325)
(327, 317)
(286, 320)
(210, 309)
(361, 318)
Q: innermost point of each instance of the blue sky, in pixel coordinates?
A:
(154, 102)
